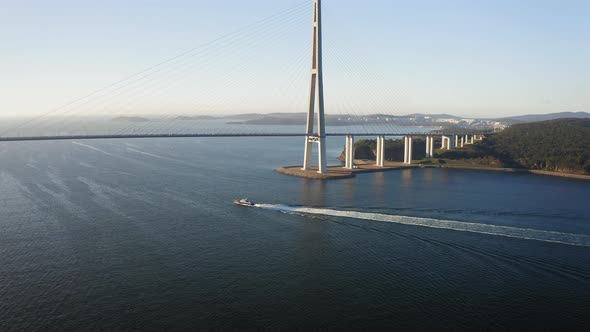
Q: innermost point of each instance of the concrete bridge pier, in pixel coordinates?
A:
(431, 152)
(472, 139)
(446, 143)
(380, 151)
(462, 142)
(429, 146)
(349, 152)
(408, 150)
(456, 138)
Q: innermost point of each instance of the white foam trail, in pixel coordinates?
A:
(147, 154)
(513, 232)
(83, 164)
(93, 148)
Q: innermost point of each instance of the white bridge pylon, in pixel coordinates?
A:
(316, 100)
(316, 96)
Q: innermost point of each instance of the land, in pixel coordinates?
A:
(560, 146)
(442, 121)
(557, 148)
(546, 117)
(195, 117)
(338, 172)
(446, 122)
(130, 119)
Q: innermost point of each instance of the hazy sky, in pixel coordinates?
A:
(466, 57)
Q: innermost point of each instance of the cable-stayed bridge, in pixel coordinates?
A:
(263, 67)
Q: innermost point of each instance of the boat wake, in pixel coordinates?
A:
(513, 232)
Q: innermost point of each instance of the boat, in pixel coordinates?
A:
(244, 202)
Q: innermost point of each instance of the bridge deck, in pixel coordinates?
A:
(94, 137)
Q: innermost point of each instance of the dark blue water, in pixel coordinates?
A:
(142, 235)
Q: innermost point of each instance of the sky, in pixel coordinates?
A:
(476, 58)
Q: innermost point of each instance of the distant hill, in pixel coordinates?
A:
(258, 116)
(434, 116)
(561, 145)
(417, 119)
(130, 119)
(545, 117)
(195, 117)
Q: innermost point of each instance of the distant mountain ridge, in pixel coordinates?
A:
(546, 117)
(443, 121)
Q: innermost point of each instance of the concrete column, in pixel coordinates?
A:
(411, 149)
(350, 152)
(347, 163)
(307, 154)
(346, 152)
(446, 141)
(348, 159)
(408, 154)
(456, 141)
(427, 146)
(431, 147)
(442, 142)
(380, 152)
(407, 149)
(472, 139)
(377, 151)
(462, 142)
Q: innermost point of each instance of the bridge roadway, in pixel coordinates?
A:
(133, 136)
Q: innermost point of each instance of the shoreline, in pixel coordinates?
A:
(339, 172)
(366, 166)
(523, 171)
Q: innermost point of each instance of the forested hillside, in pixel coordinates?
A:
(558, 145)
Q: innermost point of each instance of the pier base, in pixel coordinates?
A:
(338, 172)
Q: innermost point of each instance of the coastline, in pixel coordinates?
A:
(339, 172)
(367, 166)
(524, 171)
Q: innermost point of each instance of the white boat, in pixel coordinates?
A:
(244, 202)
